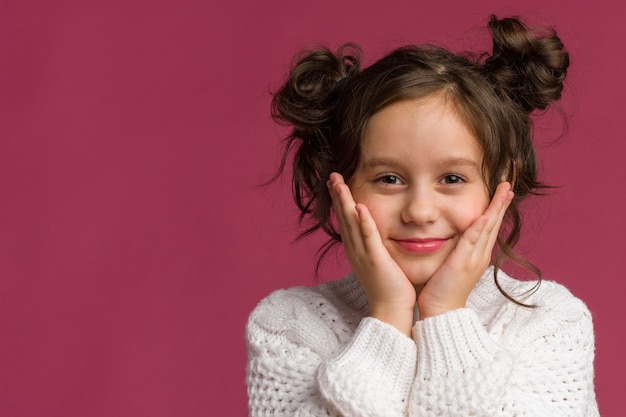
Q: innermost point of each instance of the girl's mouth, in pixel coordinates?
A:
(421, 246)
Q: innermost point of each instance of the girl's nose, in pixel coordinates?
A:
(420, 208)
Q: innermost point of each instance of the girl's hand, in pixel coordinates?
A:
(391, 296)
(451, 285)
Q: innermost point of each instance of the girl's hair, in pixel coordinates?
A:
(328, 99)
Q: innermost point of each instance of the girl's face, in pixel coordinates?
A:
(420, 176)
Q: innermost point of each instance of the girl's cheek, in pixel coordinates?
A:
(472, 215)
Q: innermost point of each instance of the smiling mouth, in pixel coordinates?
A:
(421, 246)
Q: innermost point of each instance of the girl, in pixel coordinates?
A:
(413, 164)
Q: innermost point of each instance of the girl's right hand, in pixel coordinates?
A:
(390, 295)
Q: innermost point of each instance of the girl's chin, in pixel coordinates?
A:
(419, 271)
(419, 279)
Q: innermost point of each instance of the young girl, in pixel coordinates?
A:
(413, 164)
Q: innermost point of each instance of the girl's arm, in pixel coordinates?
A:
(309, 357)
(512, 361)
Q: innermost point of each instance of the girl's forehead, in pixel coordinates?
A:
(442, 103)
(428, 125)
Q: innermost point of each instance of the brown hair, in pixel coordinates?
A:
(327, 100)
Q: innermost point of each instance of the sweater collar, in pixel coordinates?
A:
(349, 291)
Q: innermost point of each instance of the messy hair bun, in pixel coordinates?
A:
(529, 65)
(306, 102)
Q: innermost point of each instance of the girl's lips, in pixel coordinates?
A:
(421, 245)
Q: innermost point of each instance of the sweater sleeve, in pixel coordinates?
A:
(541, 366)
(298, 365)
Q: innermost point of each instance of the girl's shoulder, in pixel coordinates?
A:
(343, 294)
(320, 317)
(545, 294)
(551, 304)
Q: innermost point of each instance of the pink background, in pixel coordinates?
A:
(134, 240)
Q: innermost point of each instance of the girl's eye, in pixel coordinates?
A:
(452, 179)
(388, 179)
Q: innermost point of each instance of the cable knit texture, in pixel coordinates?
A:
(315, 352)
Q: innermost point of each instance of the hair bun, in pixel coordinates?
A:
(307, 98)
(529, 65)
(306, 102)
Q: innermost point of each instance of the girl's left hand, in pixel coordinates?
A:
(450, 286)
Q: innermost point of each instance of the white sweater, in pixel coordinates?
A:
(315, 352)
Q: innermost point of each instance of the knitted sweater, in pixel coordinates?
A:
(315, 352)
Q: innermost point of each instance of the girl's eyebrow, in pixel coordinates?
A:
(459, 161)
(445, 162)
(380, 161)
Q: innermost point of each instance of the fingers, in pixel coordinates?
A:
(495, 212)
(480, 238)
(372, 242)
(502, 203)
(345, 212)
(357, 226)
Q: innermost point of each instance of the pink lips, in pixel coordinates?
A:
(420, 246)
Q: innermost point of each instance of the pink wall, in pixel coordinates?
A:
(134, 241)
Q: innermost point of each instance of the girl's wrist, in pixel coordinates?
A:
(430, 311)
(401, 319)
(429, 305)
